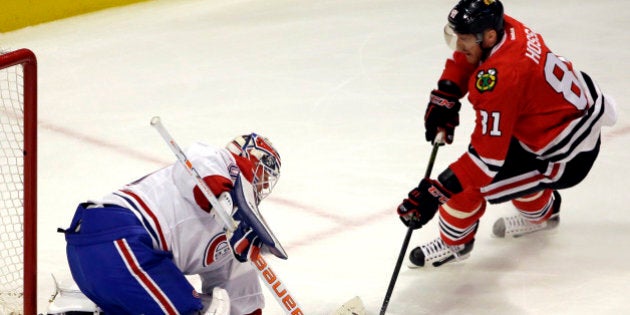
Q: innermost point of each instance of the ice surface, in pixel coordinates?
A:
(340, 88)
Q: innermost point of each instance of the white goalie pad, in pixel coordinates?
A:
(69, 298)
(245, 201)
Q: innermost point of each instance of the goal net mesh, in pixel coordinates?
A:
(11, 190)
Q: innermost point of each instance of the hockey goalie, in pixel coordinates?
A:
(131, 251)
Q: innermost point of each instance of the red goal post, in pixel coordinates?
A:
(18, 182)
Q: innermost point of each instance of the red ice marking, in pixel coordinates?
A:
(312, 210)
(613, 133)
(340, 224)
(100, 143)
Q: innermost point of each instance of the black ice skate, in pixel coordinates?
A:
(436, 253)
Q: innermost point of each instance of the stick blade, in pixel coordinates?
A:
(354, 306)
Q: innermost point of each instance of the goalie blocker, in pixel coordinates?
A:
(247, 211)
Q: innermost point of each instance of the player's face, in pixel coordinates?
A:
(468, 44)
(263, 182)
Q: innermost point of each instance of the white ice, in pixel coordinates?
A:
(340, 87)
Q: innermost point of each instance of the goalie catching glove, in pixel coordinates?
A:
(422, 203)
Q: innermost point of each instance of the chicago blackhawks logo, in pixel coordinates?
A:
(486, 81)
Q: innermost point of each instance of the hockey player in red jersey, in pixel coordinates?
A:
(537, 130)
(130, 251)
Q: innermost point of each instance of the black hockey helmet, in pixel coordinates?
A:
(476, 16)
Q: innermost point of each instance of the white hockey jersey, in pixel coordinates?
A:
(166, 204)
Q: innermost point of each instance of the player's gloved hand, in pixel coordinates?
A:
(244, 242)
(422, 203)
(442, 114)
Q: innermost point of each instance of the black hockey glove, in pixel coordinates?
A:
(422, 203)
(442, 114)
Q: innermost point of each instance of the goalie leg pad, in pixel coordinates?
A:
(69, 299)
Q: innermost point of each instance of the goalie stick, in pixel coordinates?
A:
(436, 144)
(269, 277)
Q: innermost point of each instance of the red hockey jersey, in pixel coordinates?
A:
(523, 91)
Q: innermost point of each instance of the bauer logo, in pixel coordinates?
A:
(277, 287)
(486, 80)
(216, 250)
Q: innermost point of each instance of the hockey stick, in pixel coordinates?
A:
(436, 144)
(265, 272)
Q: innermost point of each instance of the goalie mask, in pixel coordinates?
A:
(265, 161)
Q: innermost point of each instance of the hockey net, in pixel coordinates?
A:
(18, 193)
